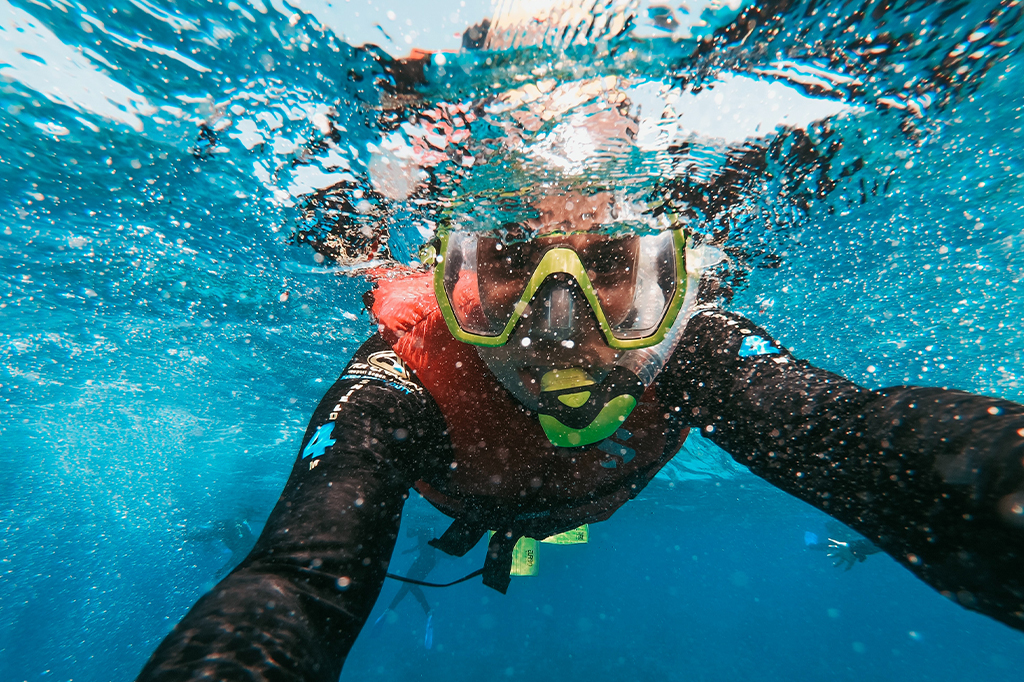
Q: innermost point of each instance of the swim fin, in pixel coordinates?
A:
(378, 624)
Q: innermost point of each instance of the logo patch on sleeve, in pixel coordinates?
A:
(320, 441)
(384, 366)
(756, 345)
(389, 361)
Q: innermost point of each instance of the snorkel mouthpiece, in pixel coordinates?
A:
(576, 410)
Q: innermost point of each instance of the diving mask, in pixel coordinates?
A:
(634, 284)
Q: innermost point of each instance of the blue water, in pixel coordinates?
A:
(164, 333)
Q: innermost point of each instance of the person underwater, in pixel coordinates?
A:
(844, 547)
(542, 366)
(536, 378)
(422, 565)
(232, 537)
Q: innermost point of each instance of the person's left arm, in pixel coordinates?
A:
(934, 477)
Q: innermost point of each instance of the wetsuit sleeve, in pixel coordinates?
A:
(934, 477)
(293, 608)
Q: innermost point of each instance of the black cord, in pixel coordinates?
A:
(463, 579)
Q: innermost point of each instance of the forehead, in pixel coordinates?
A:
(571, 211)
(533, 212)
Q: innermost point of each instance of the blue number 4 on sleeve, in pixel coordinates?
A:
(320, 441)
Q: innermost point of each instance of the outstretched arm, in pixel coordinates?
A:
(934, 477)
(293, 608)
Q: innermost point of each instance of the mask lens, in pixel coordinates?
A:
(611, 267)
(504, 271)
(637, 311)
(461, 285)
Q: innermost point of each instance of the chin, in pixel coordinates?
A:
(519, 370)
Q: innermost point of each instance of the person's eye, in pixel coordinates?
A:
(516, 257)
(606, 259)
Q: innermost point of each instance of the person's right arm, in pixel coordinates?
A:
(293, 608)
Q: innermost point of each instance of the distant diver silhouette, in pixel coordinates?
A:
(842, 545)
(235, 535)
(421, 567)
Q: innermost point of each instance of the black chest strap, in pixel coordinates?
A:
(464, 534)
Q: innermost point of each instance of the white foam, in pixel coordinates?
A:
(32, 55)
(733, 109)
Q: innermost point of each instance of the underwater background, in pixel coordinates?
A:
(190, 192)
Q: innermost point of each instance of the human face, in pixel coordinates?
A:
(558, 329)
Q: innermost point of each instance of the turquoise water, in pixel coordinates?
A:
(166, 327)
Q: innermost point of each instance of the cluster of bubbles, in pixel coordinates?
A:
(746, 120)
(180, 181)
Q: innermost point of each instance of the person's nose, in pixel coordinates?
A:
(556, 310)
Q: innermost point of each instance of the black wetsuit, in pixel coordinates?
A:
(933, 477)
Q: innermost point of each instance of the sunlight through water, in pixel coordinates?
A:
(194, 194)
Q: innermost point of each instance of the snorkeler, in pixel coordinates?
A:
(843, 547)
(233, 536)
(422, 565)
(536, 379)
(536, 374)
